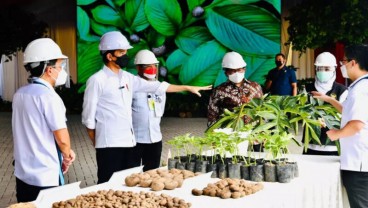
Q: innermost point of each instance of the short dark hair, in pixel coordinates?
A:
(359, 53)
(104, 53)
(280, 54)
(38, 70)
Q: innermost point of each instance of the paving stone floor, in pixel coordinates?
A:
(84, 167)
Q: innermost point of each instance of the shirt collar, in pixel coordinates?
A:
(42, 81)
(356, 81)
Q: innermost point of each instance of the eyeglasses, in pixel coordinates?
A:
(345, 61)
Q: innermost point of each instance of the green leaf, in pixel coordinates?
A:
(134, 12)
(264, 127)
(115, 3)
(164, 15)
(83, 26)
(155, 39)
(100, 29)
(89, 61)
(258, 68)
(190, 38)
(175, 61)
(106, 15)
(266, 115)
(194, 3)
(84, 2)
(276, 4)
(200, 69)
(231, 2)
(246, 29)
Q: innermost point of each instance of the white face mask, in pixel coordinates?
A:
(149, 76)
(236, 77)
(61, 78)
(344, 72)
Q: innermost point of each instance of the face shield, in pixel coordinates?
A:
(65, 67)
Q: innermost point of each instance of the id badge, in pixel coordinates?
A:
(158, 110)
(151, 104)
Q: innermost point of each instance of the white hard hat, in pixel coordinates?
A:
(42, 49)
(145, 57)
(233, 60)
(325, 59)
(113, 41)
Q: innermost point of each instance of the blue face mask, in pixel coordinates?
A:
(324, 76)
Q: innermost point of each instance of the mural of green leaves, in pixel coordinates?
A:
(188, 37)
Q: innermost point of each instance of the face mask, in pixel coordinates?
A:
(344, 72)
(122, 61)
(324, 76)
(236, 77)
(61, 78)
(150, 72)
(149, 76)
(278, 63)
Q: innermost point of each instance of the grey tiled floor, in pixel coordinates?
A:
(84, 168)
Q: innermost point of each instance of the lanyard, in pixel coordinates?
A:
(358, 81)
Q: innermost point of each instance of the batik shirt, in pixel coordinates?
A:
(228, 95)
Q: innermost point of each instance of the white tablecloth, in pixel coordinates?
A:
(318, 186)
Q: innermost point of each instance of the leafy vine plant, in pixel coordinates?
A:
(188, 37)
(281, 115)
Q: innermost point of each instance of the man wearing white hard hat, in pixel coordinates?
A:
(42, 150)
(235, 91)
(107, 111)
(325, 83)
(148, 108)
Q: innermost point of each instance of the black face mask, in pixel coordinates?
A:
(278, 63)
(122, 61)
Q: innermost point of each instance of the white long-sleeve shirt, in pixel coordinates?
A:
(107, 105)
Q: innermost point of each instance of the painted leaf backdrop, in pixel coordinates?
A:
(194, 48)
(246, 29)
(190, 38)
(175, 61)
(203, 65)
(106, 15)
(134, 12)
(164, 16)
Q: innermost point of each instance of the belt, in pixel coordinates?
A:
(325, 148)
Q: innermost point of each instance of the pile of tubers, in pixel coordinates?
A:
(159, 179)
(122, 199)
(229, 188)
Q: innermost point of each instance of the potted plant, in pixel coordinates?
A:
(177, 144)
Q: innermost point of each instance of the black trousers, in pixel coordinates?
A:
(148, 155)
(110, 160)
(26, 192)
(356, 184)
(315, 152)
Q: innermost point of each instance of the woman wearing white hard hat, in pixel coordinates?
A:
(42, 150)
(107, 111)
(325, 65)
